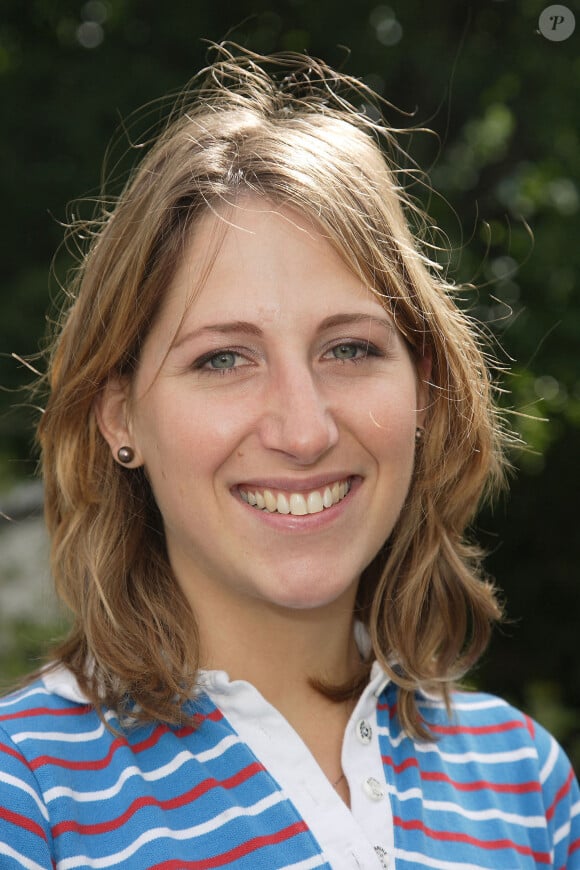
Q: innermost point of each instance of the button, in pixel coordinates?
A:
(373, 789)
(383, 856)
(364, 732)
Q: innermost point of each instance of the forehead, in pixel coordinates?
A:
(262, 265)
(256, 258)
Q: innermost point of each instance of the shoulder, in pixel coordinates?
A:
(52, 712)
(494, 728)
(27, 730)
(483, 738)
(488, 721)
(476, 714)
(500, 773)
(53, 728)
(41, 730)
(35, 710)
(520, 755)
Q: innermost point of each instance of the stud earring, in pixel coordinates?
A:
(419, 432)
(125, 455)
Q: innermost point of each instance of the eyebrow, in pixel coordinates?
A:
(238, 326)
(248, 328)
(348, 319)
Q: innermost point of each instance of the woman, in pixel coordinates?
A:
(267, 430)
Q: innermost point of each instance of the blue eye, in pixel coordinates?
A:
(221, 362)
(355, 351)
(346, 351)
(226, 359)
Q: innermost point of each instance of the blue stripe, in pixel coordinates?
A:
(171, 801)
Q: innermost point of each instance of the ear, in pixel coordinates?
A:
(113, 419)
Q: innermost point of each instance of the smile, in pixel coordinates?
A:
(297, 503)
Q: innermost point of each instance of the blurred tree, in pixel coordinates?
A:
(503, 101)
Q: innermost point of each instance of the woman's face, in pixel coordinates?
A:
(275, 415)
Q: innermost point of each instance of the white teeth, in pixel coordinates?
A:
(282, 505)
(296, 503)
(315, 503)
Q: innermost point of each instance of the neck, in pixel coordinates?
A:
(280, 650)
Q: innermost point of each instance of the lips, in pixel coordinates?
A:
(296, 503)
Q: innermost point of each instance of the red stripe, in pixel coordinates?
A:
(169, 804)
(157, 734)
(8, 750)
(94, 764)
(574, 845)
(447, 836)
(142, 746)
(239, 852)
(478, 729)
(473, 785)
(562, 792)
(404, 765)
(214, 716)
(22, 822)
(466, 729)
(479, 784)
(48, 711)
(391, 708)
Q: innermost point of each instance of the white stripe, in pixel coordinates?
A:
(22, 860)
(486, 815)
(416, 859)
(575, 810)
(21, 696)
(217, 750)
(394, 741)
(315, 861)
(483, 757)
(60, 736)
(475, 815)
(486, 704)
(462, 757)
(550, 761)
(562, 832)
(107, 793)
(149, 776)
(15, 782)
(185, 834)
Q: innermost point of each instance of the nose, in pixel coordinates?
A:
(297, 420)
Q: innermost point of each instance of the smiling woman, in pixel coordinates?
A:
(314, 390)
(267, 430)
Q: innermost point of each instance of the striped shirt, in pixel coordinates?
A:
(494, 790)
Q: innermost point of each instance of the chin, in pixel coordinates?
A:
(313, 593)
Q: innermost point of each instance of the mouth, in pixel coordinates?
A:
(297, 504)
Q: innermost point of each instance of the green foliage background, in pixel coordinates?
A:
(504, 102)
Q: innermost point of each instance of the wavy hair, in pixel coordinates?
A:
(289, 128)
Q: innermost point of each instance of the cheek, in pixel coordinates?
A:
(388, 416)
(182, 442)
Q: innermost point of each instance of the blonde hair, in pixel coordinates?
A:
(291, 129)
